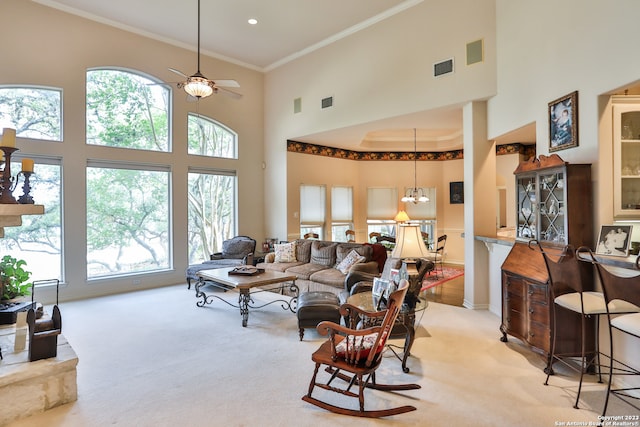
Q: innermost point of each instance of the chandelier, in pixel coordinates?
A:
(415, 194)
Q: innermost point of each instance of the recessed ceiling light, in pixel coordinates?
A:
(252, 21)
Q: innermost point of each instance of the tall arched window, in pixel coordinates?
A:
(208, 137)
(127, 110)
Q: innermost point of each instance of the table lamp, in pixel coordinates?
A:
(409, 247)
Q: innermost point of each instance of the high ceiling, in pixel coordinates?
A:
(286, 29)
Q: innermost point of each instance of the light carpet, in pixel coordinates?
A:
(152, 358)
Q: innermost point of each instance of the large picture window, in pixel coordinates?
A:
(38, 240)
(127, 220)
(212, 212)
(127, 110)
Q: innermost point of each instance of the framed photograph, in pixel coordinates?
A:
(614, 240)
(456, 192)
(379, 287)
(563, 122)
(379, 292)
(394, 275)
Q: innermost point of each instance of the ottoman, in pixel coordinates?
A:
(314, 307)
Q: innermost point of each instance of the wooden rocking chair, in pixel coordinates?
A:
(353, 355)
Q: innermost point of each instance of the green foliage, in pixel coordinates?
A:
(126, 110)
(34, 112)
(14, 278)
(126, 209)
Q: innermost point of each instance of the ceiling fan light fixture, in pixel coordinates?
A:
(198, 87)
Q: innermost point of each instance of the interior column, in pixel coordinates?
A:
(480, 203)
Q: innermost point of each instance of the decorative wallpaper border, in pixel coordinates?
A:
(339, 153)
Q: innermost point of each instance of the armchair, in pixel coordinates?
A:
(235, 251)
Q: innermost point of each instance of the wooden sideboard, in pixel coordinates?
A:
(527, 306)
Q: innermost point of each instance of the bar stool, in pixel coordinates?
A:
(571, 289)
(620, 291)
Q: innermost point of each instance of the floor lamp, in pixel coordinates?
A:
(409, 247)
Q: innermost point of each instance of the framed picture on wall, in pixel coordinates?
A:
(456, 192)
(614, 240)
(563, 122)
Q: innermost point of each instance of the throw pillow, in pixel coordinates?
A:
(344, 249)
(348, 262)
(285, 252)
(366, 342)
(323, 253)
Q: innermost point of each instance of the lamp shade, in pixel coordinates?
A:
(409, 243)
(401, 217)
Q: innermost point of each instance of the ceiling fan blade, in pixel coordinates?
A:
(225, 83)
(178, 72)
(228, 92)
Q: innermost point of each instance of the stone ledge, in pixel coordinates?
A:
(27, 387)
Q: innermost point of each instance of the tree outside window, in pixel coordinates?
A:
(210, 138)
(127, 110)
(127, 221)
(34, 112)
(38, 239)
(212, 213)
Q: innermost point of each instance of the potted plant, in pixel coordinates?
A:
(14, 279)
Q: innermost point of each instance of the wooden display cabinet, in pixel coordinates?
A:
(554, 206)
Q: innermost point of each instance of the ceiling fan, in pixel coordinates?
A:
(198, 86)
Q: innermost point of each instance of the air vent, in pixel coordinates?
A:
(327, 102)
(297, 105)
(475, 52)
(442, 68)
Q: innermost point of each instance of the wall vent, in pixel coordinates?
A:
(475, 52)
(297, 105)
(327, 102)
(442, 68)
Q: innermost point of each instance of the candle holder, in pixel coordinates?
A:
(26, 198)
(6, 181)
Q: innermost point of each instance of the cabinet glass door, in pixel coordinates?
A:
(626, 160)
(552, 207)
(527, 207)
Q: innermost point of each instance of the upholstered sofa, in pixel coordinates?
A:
(323, 265)
(235, 251)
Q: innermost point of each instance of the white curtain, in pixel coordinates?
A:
(382, 203)
(341, 205)
(312, 204)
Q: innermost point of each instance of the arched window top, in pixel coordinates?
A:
(33, 111)
(208, 137)
(127, 109)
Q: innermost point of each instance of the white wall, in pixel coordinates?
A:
(362, 174)
(380, 72)
(43, 46)
(547, 49)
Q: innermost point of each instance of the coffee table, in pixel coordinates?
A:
(246, 285)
